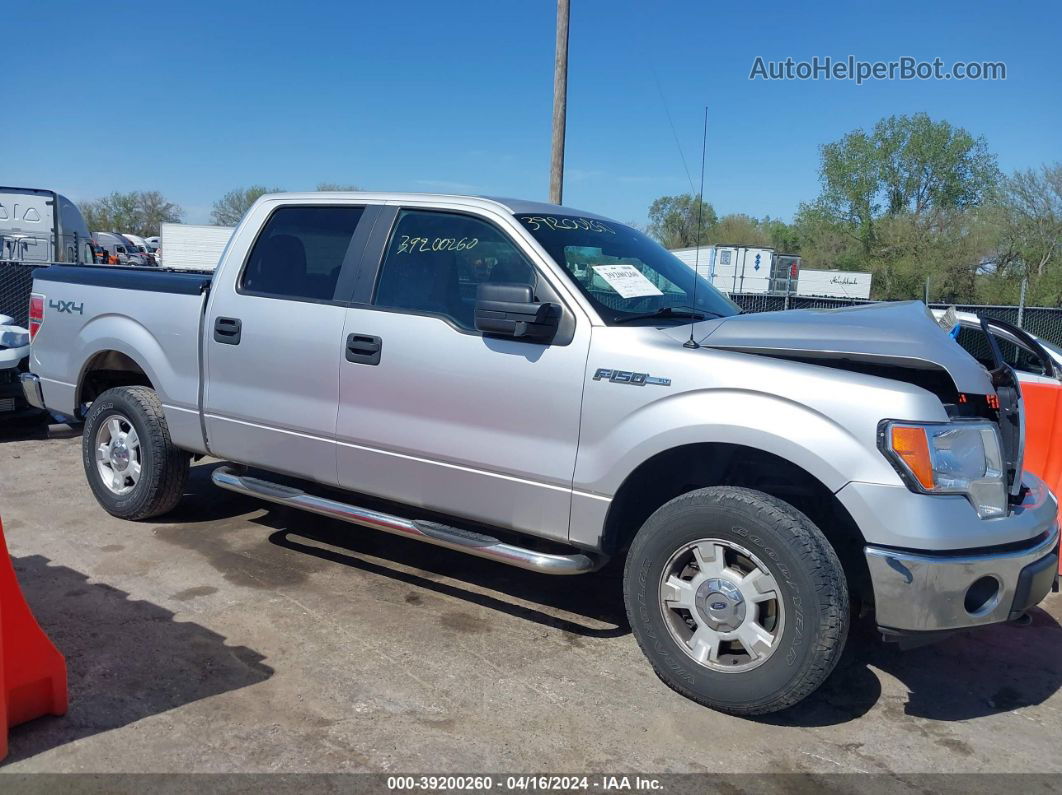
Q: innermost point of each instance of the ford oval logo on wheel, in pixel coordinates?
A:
(718, 605)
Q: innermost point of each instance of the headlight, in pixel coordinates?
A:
(952, 458)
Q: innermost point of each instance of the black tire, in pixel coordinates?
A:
(810, 584)
(163, 467)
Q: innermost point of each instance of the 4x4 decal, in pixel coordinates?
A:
(67, 306)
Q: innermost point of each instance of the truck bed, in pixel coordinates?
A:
(161, 280)
(122, 318)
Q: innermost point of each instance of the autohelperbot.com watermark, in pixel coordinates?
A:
(906, 67)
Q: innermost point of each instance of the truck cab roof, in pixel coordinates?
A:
(509, 205)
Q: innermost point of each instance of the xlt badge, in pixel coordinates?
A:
(627, 377)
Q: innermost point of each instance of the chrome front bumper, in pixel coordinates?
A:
(31, 389)
(940, 592)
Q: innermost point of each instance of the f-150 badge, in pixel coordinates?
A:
(627, 377)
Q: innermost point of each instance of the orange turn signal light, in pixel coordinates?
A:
(912, 446)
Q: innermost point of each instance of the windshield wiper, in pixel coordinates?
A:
(669, 312)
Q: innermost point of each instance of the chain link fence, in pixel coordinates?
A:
(1042, 321)
(16, 282)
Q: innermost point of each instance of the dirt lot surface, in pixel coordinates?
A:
(238, 636)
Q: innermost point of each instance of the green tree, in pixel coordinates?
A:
(951, 252)
(910, 201)
(156, 210)
(1029, 218)
(927, 165)
(230, 208)
(907, 165)
(850, 171)
(112, 213)
(783, 237)
(738, 229)
(673, 221)
(137, 212)
(1032, 217)
(824, 242)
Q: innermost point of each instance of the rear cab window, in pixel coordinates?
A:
(300, 252)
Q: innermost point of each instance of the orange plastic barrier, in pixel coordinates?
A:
(1043, 434)
(32, 671)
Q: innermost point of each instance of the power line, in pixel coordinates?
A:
(670, 121)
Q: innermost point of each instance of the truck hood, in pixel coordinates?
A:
(902, 334)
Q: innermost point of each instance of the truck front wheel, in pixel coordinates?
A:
(132, 466)
(737, 599)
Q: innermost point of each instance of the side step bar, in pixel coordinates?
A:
(482, 546)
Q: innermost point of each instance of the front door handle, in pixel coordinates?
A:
(363, 349)
(227, 330)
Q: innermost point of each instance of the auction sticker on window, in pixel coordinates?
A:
(626, 280)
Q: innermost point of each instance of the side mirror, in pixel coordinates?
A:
(510, 310)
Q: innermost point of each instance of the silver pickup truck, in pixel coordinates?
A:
(549, 389)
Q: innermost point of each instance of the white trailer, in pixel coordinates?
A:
(732, 269)
(193, 246)
(834, 284)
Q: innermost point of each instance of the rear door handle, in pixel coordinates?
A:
(227, 330)
(363, 349)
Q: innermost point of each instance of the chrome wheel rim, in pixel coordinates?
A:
(722, 605)
(118, 455)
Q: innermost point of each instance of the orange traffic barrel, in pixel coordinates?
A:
(32, 671)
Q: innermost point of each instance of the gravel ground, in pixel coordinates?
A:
(237, 636)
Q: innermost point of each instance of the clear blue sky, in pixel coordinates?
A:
(194, 98)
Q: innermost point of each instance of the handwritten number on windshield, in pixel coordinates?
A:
(536, 222)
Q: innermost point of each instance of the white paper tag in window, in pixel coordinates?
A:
(626, 280)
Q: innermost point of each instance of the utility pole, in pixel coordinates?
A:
(560, 105)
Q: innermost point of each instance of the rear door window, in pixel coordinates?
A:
(300, 253)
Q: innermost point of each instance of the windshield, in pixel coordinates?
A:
(627, 276)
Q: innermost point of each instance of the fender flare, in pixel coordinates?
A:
(146, 350)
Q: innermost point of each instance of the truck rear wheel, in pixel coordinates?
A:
(737, 599)
(132, 466)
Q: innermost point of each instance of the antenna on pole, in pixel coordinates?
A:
(691, 342)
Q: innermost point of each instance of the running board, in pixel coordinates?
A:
(482, 546)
